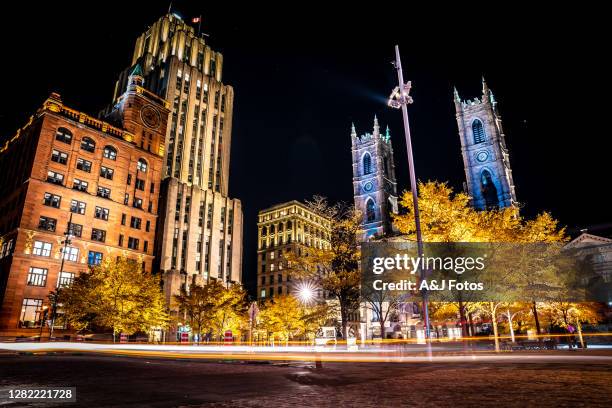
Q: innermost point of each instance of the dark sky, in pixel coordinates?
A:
(303, 71)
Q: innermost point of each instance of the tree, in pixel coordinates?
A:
(567, 313)
(449, 217)
(382, 303)
(282, 316)
(336, 268)
(212, 308)
(116, 294)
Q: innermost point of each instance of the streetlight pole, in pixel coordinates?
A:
(67, 241)
(400, 98)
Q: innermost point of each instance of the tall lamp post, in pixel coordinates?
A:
(400, 99)
(67, 241)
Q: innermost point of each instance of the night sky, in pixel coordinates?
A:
(302, 73)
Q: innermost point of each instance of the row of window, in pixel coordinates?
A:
(279, 279)
(89, 145)
(270, 292)
(38, 277)
(79, 207)
(42, 248)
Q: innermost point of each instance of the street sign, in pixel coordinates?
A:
(229, 337)
(123, 338)
(184, 337)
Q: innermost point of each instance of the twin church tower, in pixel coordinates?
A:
(485, 158)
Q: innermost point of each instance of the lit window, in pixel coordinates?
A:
(478, 132)
(101, 213)
(79, 184)
(54, 177)
(47, 224)
(59, 157)
(367, 164)
(104, 192)
(42, 248)
(77, 207)
(30, 311)
(94, 258)
(70, 254)
(110, 153)
(37, 277)
(63, 135)
(52, 200)
(88, 144)
(98, 235)
(84, 165)
(142, 165)
(65, 279)
(106, 173)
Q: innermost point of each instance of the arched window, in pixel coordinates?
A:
(289, 225)
(264, 231)
(272, 229)
(88, 144)
(142, 165)
(489, 191)
(110, 152)
(370, 211)
(478, 131)
(367, 163)
(63, 135)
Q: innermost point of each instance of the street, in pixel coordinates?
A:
(109, 380)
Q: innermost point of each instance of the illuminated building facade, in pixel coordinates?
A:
(485, 156)
(66, 171)
(200, 229)
(286, 228)
(374, 184)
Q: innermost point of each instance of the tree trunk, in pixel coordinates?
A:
(464, 328)
(494, 323)
(343, 317)
(535, 316)
(472, 330)
(382, 329)
(579, 328)
(510, 324)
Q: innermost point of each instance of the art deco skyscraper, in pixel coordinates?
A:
(200, 230)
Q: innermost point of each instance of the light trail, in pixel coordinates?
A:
(297, 353)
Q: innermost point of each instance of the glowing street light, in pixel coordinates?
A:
(305, 292)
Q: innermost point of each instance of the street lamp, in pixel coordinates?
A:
(305, 292)
(67, 241)
(400, 99)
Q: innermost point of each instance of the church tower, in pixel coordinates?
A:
(374, 185)
(485, 155)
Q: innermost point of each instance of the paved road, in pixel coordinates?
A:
(107, 381)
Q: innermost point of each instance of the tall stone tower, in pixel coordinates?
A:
(485, 156)
(199, 232)
(374, 185)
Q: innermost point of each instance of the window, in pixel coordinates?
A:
(367, 163)
(47, 224)
(88, 144)
(110, 152)
(54, 177)
(126, 199)
(152, 189)
(84, 165)
(59, 157)
(140, 184)
(137, 203)
(52, 200)
(120, 242)
(77, 207)
(133, 243)
(76, 230)
(489, 191)
(280, 278)
(129, 180)
(370, 211)
(98, 235)
(42, 248)
(142, 165)
(63, 135)
(123, 216)
(104, 192)
(37, 277)
(106, 172)
(145, 246)
(94, 258)
(30, 311)
(148, 226)
(263, 293)
(478, 131)
(101, 213)
(65, 279)
(70, 254)
(135, 222)
(80, 185)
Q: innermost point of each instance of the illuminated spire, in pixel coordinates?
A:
(387, 134)
(353, 131)
(456, 93)
(376, 127)
(485, 87)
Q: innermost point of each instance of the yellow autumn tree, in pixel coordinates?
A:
(116, 294)
(447, 216)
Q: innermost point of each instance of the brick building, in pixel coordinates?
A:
(66, 165)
